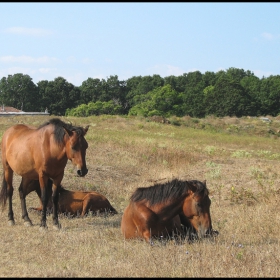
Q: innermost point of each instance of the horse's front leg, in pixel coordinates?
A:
(145, 223)
(44, 199)
(55, 197)
(22, 196)
(148, 237)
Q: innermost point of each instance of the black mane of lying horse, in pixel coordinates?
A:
(173, 189)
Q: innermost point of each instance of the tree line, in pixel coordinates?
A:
(233, 92)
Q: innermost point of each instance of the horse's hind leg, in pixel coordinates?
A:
(7, 192)
(88, 205)
(22, 196)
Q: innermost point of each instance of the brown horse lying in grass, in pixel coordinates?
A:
(74, 203)
(160, 210)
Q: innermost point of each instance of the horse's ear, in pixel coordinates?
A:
(69, 132)
(86, 129)
(191, 193)
(204, 182)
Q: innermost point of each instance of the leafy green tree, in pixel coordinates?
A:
(171, 80)
(61, 95)
(138, 87)
(227, 98)
(45, 100)
(19, 91)
(115, 90)
(90, 90)
(227, 92)
(193, 95)
(209, 78)
(162, 101)
(95, 108)
(270, 95)
(181, 83)
(237, 74)
(251, 85)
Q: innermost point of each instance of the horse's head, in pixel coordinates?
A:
(197, 209)
(76, 149)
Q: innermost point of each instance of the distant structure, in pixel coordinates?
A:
(7, 111)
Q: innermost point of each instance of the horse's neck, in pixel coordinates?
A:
(170, 209)
(58, 151)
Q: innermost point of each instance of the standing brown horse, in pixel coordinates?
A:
(160, 210)
(74, 202)
(39, 154)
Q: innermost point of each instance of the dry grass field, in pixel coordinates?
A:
(240, 160)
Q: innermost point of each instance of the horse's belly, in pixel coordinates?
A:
(21, 162)
(71, 208)
(26, 170)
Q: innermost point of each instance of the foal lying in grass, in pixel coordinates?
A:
(75, 203)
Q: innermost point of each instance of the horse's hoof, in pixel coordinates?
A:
(57, 227)
(215, 233)
(11, 223)
(43, 229)
(28, 224)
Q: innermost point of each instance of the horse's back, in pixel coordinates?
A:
(15, 135)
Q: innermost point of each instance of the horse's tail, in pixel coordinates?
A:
(3, 193)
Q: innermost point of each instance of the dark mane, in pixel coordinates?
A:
(59, 132)
(171, 190)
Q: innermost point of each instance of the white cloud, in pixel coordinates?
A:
(75, 79)
(87, 60)
(10, 58)
(108, 60)
(267, 36)
(166, 70)
(27, 59)
(260, 73)
(15, 70)
(170, 70)
(28, 31)
(71, 59)
(47, 70)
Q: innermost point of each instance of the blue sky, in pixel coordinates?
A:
(81, 40)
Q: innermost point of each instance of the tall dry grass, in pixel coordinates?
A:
(239, 158)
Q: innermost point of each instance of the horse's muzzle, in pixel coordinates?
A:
(208, 233)
(211, 233)
(82, 172)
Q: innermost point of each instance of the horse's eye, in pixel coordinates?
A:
(75, 148)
